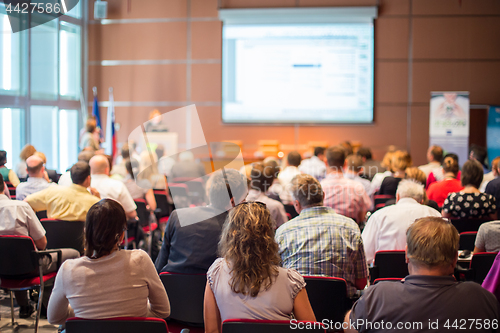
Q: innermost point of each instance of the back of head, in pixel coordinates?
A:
(335, 157)
(400, 161)
(125, 151)
(130, 169)
(219, 189)
(347, 147)
(3, 157)
(437, 153)
(294, 159)
(2, 184)
(410, 189)
(28, 150)
(364, 152)
(34, 165)
(354, 163)
(261, 177)
(307, 191)
(416, 174)
(99, 164)
(479, 154)
(85, 156)
(79, 172)
(432, 242)
(160, 151)
(247, 243)
(450, 165)
(42, 156)
(472, 173)
(90, 125)
(105, 223)
(186, 156)
(387, 160)
(319, 151)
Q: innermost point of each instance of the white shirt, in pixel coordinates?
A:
(378, 179)
(113, 189)
(428, 168)
(275, 207)
(386, 228)
(314, 167)
(285, 177)
(17, 218)
(486, 179)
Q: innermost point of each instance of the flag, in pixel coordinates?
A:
(95, 111)
(110, 127)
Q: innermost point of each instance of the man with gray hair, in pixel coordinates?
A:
(386, 228)
(319, 241)
(429, 299)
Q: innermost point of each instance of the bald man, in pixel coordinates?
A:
(36, 181)
(108, 187)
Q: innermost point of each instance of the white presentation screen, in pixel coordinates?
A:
(297, 73)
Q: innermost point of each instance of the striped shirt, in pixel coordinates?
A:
(323, 243)
(346, 196)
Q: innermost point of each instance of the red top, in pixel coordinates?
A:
(439, 191)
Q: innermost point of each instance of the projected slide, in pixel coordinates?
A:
(298, 73)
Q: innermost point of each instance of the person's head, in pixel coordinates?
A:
(410, 189)
(34, 166)
(130, 169)
(432, 244)
(125, 152)
(28, 150)
(478, 153)
(450, 165)
(91, 125)
(400, 161)
(306, 192)
(247, 243)
(80, 174)
(494, 166)
(160, 151)
(294, 159)
(472, 174)
(435, 154)
(219, 189)
(365, 153)
(261, 177)
(186, 156)
(335, 158)
(42, 156)
(99, 165)
(354, 164)
(3, 157)
(387, 160)
(155, 117)
(85, 156)
(416, 174)
(2, 184)
(104, 228)
(348, 150)
(319, 152)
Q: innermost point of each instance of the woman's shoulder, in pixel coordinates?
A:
(294, 279)
(214, 270)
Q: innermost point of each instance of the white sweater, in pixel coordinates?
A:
(122, 284)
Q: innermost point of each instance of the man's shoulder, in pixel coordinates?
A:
(14, 203)
(326, 218)
(493, 185)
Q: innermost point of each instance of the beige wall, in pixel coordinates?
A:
(454, 47)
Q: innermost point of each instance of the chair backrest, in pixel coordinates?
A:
(387, 280)
(186, 293)
(180, 195)
(328, 297)
(467, 240)
(464, 225)
(17, 256)
(64, 234)
(196, 189)
(41, 214)
(289, 209)
(12, 190)
(121, 325)
(270, 326)
(391, 264)
(379, 200)
(142, 211)
(162, 202)
(481, 264)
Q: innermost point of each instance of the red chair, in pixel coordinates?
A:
(270, 326)
(147, 227)
(328, 297)
(196, 189)
(467, 240)
(380, 200)
(122, 325)
(464, 225)
(21, 269)
(163, 206)
(387, 280)
(64, 234)
(12, 190)
(389, 264)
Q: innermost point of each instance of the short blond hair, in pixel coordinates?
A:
(401, 160)
(432, 241)
(307, 190)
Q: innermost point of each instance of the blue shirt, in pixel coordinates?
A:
(31, 186)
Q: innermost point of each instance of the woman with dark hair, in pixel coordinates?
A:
(247, 282)
(7, 174)
(107, 282)
(139, 189)
(438, 191)
(470, 202)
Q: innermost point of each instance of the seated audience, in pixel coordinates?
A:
(191, 235)
(370, 166)
(320, 241)
(434, 157)
(315, 165)
(36, 181)
(110, 188)
(286, 175)
(439, 191)
(470, 203)
(165, 163)
(50, 175)
(261, 178)
(386, 228)
(119, 169)
(479, 154)
(346, 196)
(148, 171)
(488, 237)
(90, 140)
(438, 174)
(27, 151)
(187, 167)
(493, 186)
(401, 160)
(19, 219)
(430, 295)
(7, 174)
(83, 156)
(247, 281)
(107, 282)
(136, 190)
(418, 175)
(353, 167)
(379, 177)
(490, 175)
(67, 203)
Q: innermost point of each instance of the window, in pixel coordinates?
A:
(40, 86)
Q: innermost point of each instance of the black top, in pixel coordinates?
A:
(190, 241)
(493, 188)
(389, 185)
(469, 205)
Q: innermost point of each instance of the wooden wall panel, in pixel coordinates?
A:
(256, 3)
(331, 3)
(391, 38)
(206, 40)
(206, 82)
(204, 8)
(394, 7)
(119, 9)
(391, 82)
(456, 7)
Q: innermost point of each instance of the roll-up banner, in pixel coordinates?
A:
(493, 132)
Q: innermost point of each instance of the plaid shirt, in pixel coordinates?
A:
(346, 196)
(321, 242)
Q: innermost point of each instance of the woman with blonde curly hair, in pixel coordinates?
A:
(27, 151)
(246, 282)
(400, 161)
